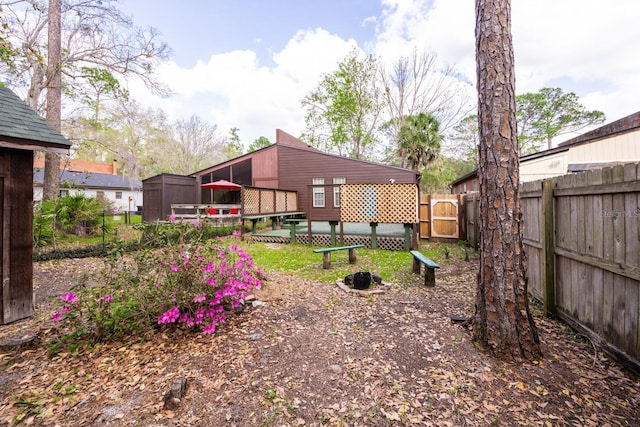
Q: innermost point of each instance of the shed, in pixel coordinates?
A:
(22, 131)
(161, 191)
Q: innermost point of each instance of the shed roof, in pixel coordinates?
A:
(21, 127)
(91, 180)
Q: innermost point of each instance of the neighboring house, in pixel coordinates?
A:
(609, 145)
(94, 179)
(124, 194)
(291, 164)
(22, 131)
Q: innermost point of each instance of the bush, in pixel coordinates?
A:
(194, 284)
(76, 214)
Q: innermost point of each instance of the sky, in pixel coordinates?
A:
(248, 63)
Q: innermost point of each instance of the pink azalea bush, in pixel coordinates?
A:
(200, 285)
(88, 314)
(195, 283)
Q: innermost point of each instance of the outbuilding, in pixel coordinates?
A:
(22, 131)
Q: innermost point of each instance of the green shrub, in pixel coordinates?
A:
(76, 215)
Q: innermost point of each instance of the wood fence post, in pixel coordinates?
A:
(548, 249)
(374, 235)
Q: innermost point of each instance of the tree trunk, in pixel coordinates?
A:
(54, 99)
(503, 322)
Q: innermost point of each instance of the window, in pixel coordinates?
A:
(336, 191)
(64, 193)
(318, 193)
(100, 194)
(119, 195)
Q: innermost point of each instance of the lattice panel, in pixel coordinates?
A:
(260, 201)
(281, 201)
(251, 201)
(385, 203)
(266, 201)
(292, 202)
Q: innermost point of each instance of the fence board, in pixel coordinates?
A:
(586, 274)
(631, 298)
(607, 303)
(619, 306)
(561, 287)
(598, 297)
(574, 284)
(563, 224)
(607, 227)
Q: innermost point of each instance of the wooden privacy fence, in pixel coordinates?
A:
(582, 241)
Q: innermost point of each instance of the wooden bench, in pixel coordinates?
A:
(326, 254)
(429, 270)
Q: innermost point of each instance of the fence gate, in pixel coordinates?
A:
(439, 216)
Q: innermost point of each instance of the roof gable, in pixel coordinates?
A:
(24, 126)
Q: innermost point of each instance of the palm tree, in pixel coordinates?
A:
(418, 141)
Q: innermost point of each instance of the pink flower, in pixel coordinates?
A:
(172, 218)
(209, 329)
(196, 223)
(56, 316)
(108, 299)
(170, 316)
(200, 298)
(199, 316)
(175, 267)
(209, 267)
(69, 297)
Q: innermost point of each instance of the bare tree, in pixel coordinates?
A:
(503, 321)
(198, 145)
(419, 84)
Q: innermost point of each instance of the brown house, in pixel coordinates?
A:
(291, 164)
(22, 131)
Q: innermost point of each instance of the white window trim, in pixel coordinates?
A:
(317, 191)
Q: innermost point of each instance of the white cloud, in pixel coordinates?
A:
(583, 46)
(233, 90)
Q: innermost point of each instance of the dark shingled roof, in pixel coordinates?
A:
(90, 180)
(18, 120)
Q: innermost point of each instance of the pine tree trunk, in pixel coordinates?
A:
(503, 322)
(54, 100)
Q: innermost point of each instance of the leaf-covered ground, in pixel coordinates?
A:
(314, 355)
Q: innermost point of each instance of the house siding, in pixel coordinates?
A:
(265, 167)
(624, 147)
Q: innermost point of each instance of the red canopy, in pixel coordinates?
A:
(222, 185)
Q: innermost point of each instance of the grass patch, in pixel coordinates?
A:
(392, 266)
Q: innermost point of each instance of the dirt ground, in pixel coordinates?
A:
(313, 355)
